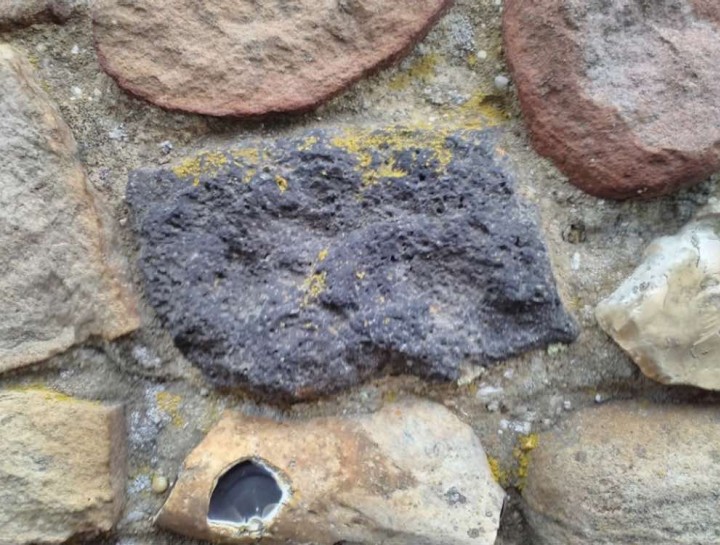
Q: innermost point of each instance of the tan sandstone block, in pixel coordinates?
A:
(58, 286)
(62, 467)
(412, 473)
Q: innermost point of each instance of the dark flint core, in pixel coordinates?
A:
(300, 267)
(246, 491)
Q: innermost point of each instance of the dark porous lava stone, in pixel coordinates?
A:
(301, 266)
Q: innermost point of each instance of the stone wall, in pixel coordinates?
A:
(367, 277)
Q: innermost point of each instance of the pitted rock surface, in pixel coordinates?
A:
(58, 281)
(243, 57)
(301, 266)
(624, 95)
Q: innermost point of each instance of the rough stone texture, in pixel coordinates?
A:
(17, 13)
(627, 474)
(301, 266)
(621, 94)
(412, 474)
(667, 314)
(55, 279)
(62, 468)
(594, 246)
(231, 57)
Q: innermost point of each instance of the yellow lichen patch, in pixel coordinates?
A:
(360, 275)
(282, 183)
(388, 170)
(422, 69)
(486, 108)
(170, 405)
(499, 474)
(390, 396)
(214, 160)
(308, 143)
(316, 282)
(249, 158)
(313, 286)
(472, 389)
(246, 156)
(575, 302)
(525, 445)
(47, 393)
(205, 164)
(528, 442)
(371, 148)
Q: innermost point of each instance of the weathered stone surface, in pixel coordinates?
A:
(62, 468)
(627, 474)
(18, 13)
(239, 58)
(56, 283)
(624, 95)
(667, 313)
(412, 474)
(302, 266)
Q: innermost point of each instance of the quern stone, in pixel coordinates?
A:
(301, 266)
(411, 473)
(624, 95)
(243, 58)
(666, 315)
(627, 474)
(57, 285)
(62, 468)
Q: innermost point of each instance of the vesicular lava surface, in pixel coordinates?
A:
(298, 267)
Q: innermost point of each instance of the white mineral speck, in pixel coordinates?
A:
(118, 133)
(502, 82)
(487, 391)
(159, 484)
(575, 263)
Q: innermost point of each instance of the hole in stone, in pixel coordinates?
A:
(246, 491)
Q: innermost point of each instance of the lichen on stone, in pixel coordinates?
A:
(205, 164)
(500, 475)
(370, 236)
(421, 69)
(522, 454)
(170, 404)
(372, 147)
